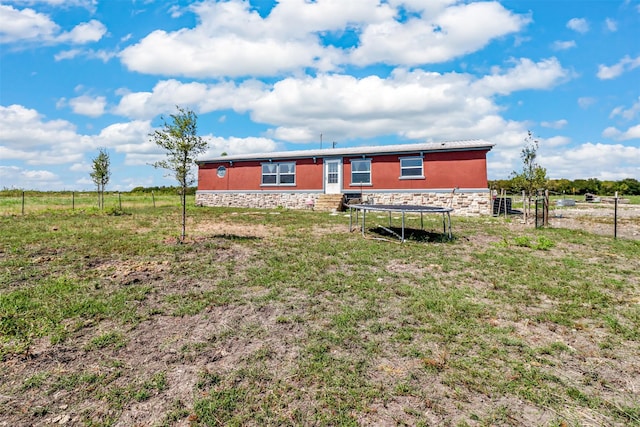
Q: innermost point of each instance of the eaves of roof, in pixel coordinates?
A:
(466, 145)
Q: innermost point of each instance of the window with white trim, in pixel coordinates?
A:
(360, 172)
(411, 168)
(279, 173)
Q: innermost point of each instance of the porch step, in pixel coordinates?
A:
(329, 202)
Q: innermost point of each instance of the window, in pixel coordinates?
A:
(222, 171)
(279, 173)
(411, 168)
(360, 171)
(333, 172)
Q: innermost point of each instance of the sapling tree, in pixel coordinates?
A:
(181, 143)
(100, 174)
(533, 176)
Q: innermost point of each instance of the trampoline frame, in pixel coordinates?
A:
(403, 209)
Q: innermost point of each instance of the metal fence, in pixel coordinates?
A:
(614, 216)
(21, 203)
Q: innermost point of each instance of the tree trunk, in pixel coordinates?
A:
(184, 213)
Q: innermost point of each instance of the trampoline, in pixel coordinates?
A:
(403, 209)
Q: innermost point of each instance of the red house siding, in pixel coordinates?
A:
(247, 176)
(463, 169)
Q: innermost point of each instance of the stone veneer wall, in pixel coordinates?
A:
(256, 200)
(464, 203)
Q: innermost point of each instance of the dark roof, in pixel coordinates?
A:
(468, 145)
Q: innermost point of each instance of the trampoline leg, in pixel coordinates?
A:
(364, 214)
(350, 219)
(402, 227)
(421, 221)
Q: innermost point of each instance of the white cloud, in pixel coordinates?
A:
(81, 167)
(525, 75)
(56, 142)
(455, 31)
(624, 65)
(86, 32)
(411, 104)
(579, 25)
(586, 102)
(27, 25)
(613, 161)
(611, 25)
(230, 39)
(28, 179)
(87, 4)
(558, 124)
(232, 145)
(563, 45)
(627, 114)
(14, 119)
(632, 133)
(88, 106)
(203, 97)
(554, 142)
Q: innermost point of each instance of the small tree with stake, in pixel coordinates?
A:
(533, 176)
(100, 174)
(182, 145)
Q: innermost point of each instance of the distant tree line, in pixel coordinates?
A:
(164, 190)
(627, 186)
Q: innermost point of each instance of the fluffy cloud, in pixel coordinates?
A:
(204, 97)
(233, 145)
(28, 178)
(88, 106)
(627, 114)
(454, 31)
(27, 25)
(632, 133)
(233, 40)
(525, 75)
(413, 104)
(611, 25)
(625, 64)
(14, 119)
(563, 45)
(88, 4)
(586, 102)
(558, 124)
(579, 25)
(615, 161)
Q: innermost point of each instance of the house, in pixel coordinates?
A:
(450, 174)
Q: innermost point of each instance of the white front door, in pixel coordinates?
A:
(333, 176)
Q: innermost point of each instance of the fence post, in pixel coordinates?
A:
(23, 203)
(153, 199)
(119, 201)
(73, 200)
(546, 208)
(615, 217)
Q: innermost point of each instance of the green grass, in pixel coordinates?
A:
(285, 318)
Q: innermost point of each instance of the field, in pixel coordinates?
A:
(278, 317)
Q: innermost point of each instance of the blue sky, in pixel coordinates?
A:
(80, 75)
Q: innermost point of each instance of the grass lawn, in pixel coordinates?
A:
(279, 317)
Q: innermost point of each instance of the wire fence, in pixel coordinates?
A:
(25, 202)
(617, 216)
